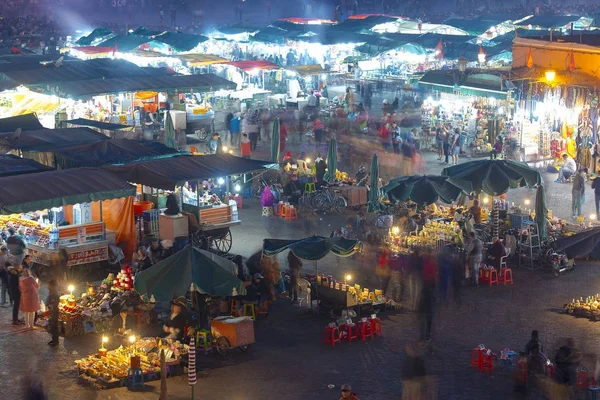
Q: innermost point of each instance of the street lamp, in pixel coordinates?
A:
(462, 64)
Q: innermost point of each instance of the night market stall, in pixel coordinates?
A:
(34, 202)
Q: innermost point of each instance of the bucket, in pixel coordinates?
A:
(140, 206)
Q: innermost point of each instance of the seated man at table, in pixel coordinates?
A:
(174, 328)
(293, 190)
(155, 251)
(123, 323)
(495, 252)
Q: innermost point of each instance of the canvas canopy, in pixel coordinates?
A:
(25, 122)
(12, 165)
(96, 124)
(43, 190)
(312, 248)
(112, 151)
(51, 139)
(191, 267)
(170, 172)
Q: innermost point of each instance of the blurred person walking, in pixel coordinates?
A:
(426, 312)
(52, 304)
(30, 301)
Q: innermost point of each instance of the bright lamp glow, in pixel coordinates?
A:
(593, 217)
(486, 200)
(132, 339)
(307, 160)
(225, 149)
(527, 202)
(348, 277)
(104, 339)
(221, 181)
(238, 187)
(550, 76)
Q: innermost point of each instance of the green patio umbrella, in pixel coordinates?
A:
(541, 212)
(207, 273)
(170, 132)
(494, 177)
(275, 141)
(331, 161)
(374, 203)
(426, 189)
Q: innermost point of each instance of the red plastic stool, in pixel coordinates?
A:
(364, 330)
(376, 327)
(507, 276)
(487, 364)
(493, 276)
(351, 331)
(549, 370)
(584, 380)
(331, 335)
(521, 371)
(476, 358)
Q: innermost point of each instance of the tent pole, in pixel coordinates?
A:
(198, 195)
(100, 210)
(316, 285)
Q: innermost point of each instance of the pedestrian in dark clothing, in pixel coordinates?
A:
(445, 272)
(320, 167)
(535, 341)
(566, 360)
(457, 278)
(596, 187)
(446, 145)
(52, 304)
(294, 264)
(14, 274)
(426, 312)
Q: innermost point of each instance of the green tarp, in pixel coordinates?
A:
(312, 248)
(43, 190)
(208, 273)
(96, 34)
(494, 177)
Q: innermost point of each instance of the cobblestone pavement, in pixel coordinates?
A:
(289, 359)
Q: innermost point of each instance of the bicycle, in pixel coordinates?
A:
(324, 201)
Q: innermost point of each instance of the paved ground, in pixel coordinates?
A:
(289, 360)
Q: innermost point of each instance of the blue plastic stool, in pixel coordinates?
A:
(135, 378)
(591, 393)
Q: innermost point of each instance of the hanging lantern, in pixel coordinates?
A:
(530, 58)
(481, 55)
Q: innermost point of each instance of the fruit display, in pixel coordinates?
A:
(110, 368)
(124, 279)
(584, 308)
(34, 232)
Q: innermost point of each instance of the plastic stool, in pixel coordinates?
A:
(351, 331)
(476, 358)
(279, 209)
(203, 340)
(376, 327)
(582, 378)
(267, 211)
(249, 311)
(331, 335)
(233, 307)
(592, 392)
(309, 188)
(135, 379)
(493, 276)
(521, 371)
(284, 211)
(364, 330)
(291, 213)
(488, 363)
(507, 276)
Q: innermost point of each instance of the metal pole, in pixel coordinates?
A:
(100, 210)
(316, 284)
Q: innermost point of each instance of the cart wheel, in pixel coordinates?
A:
(244, 348)
(222, 345)
(202, 134)
(339, 204)
(223, 244)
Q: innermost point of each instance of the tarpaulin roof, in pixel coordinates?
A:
(13, 165)
(550, 21)
(29, 62)
(39, 191)
(143, 31)
(173, 276)
(112, 151)
(51, 139)
(305, 70)
(476, 26)
(124, 42)
(201, 60)
(313, 248)
(476, 84)
(96, 124)
(236, 29)
(25, 122)
(170, 172)
(96, 34)
(179, 41)
(172, 83)
(93, 49)
(579, 245)
(249, 65)
(81, 70)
